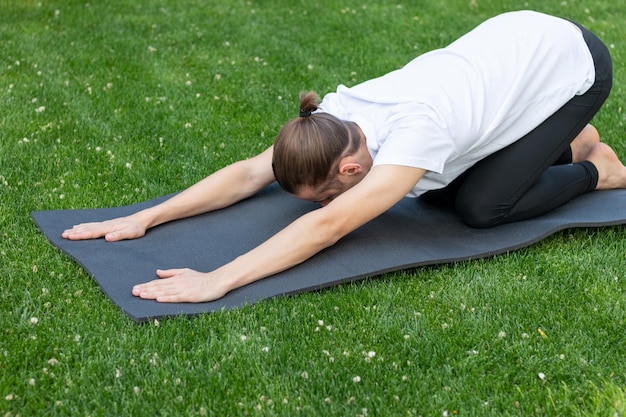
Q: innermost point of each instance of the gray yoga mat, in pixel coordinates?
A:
(409, 235)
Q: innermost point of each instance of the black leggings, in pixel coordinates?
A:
(533, 175)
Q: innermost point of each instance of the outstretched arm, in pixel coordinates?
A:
(221, 189)
(383, 187)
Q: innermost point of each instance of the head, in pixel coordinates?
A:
(309, 149)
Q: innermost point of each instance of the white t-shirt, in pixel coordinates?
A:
(449, 108)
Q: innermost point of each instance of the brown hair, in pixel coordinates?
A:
(307, 150)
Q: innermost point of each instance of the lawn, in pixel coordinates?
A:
(114, 102)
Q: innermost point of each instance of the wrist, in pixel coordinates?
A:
(147, 218)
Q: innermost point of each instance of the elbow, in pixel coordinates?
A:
(327, 233)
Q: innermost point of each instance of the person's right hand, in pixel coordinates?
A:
(112, 230)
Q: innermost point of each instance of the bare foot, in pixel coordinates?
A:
(611, 171)
(584, 142)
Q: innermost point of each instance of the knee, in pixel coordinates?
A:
(476, 213)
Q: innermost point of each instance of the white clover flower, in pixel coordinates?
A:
(34, 320)
(356, 379)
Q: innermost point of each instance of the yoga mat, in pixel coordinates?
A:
(409, 235)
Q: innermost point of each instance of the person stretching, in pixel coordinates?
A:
(496, 124)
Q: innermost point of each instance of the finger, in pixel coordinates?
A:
(161, 291)
(79, 235)
(113, 237)
(170, 299)
(149, 290)
(82, 231)
(152, 288)
(169, 273)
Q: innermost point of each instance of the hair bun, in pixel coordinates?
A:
(308, 103)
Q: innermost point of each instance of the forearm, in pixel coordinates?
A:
(293, 245)
(219, 190)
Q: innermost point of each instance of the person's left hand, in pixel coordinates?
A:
(180, 286)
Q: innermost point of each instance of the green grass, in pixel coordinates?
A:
(110, 103)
